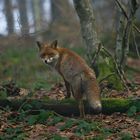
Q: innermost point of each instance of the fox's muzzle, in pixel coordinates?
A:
(48, 60)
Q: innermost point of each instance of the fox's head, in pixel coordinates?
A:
(48, 52)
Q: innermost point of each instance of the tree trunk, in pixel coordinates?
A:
(63, 25)
(61, 11)
(119, 39)
(69, 107)
(87, 20)
(9, 16)
(37, 14)
(23, 17)
(133, 6)
(124, 32)
(37, 10)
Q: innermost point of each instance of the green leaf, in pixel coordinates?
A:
(126, 136)
(57, 119)
(32, 119)
(43, 116)
(68, 124)
(132, 110)
(137, 118)
(84, 127)
(13, 134)
(22, 115)
(58, 137)
(3, 95)
(20, 136)
(99, 138)
(27, 106)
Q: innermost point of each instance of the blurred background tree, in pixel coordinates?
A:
(42, 13)
(23, 19)
(58, 18)
(9, 16)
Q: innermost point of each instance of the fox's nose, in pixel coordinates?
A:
(46, 61)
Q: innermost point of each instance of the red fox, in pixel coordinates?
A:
(79, 78)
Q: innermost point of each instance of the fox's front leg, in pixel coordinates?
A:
(68, 88)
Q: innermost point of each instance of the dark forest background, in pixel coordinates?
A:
(56, 19)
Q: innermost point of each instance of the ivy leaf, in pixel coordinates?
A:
(69, 123)
(3, 95)
(43, 116)
(32, 119)
(132, 110)
(58, 137)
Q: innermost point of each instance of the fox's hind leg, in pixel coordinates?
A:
(78, 94)
(81, 109)
(68, 88)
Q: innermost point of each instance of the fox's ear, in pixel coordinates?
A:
(39, 44)
(54, 44)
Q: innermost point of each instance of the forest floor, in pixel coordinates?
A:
(47, 125)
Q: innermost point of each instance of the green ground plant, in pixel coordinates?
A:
(23, 66)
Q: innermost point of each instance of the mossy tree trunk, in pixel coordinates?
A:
(85, 12)
(69, 107)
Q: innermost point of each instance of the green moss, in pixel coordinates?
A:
(112, 102)
(60, 102)
(111, 105)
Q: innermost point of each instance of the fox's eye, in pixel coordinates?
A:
(42, 55)
(51, 58)
(51, 54)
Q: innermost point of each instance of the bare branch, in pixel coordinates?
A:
(119, 38)
(122, 8)
(125, 43)
(125, 14)
(136, 28)
(135, 43)
(96, 54)
(106, 77)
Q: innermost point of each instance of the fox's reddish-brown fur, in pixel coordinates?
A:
(80, 79)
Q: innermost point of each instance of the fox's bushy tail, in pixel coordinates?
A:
(93, 97)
